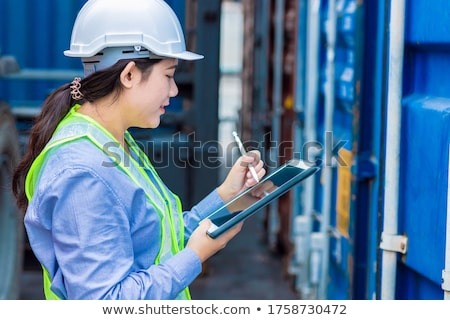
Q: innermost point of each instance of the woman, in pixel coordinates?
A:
(99, 219)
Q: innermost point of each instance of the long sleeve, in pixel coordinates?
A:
(206, 206)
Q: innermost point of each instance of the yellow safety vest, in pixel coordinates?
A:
(77, 126)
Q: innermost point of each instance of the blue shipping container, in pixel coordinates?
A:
(356, 204)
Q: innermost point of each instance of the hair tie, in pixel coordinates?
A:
(75, 86)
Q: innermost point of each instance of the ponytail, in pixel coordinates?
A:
(54, 109)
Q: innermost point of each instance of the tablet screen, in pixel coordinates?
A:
(251, 196)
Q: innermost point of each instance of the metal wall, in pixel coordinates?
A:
(370, 99)
(36, 33)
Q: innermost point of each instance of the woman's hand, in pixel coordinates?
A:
(240, 177)
(205, 246)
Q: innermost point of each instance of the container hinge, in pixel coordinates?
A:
(394, 242)
(446, 280)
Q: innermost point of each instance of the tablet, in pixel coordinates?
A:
(245, 204)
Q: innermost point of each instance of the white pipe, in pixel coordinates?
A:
(297, 232)
(312, 91)
(277, 110)
(446, 285)
(393, 135)
(328, 167)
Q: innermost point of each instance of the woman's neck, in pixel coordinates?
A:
(108, 117)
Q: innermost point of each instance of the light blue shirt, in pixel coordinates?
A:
(91, 227)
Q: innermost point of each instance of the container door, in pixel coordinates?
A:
(425, 138)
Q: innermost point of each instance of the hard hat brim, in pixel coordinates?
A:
(186, 55)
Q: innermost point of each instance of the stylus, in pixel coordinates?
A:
(243, 152)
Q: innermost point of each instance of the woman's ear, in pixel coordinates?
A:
(129, 75)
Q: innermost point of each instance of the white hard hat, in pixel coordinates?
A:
(106, 31)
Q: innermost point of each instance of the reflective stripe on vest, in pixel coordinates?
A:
(76, 126)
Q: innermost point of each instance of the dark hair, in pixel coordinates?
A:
(58, 104)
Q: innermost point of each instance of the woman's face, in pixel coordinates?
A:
(147, 100)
